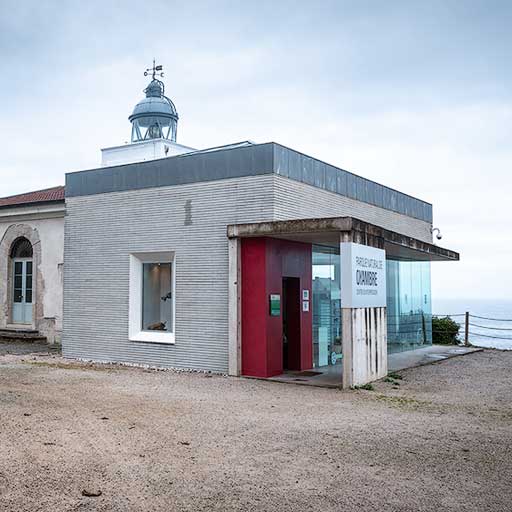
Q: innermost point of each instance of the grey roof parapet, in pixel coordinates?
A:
(239, 161)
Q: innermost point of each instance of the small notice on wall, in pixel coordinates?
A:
(363, 276)
(275, 304)
(305, 306)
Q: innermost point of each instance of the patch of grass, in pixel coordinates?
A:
(366, 387)
(402, 401)
(394, 375)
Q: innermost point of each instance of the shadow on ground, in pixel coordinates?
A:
(22, 348)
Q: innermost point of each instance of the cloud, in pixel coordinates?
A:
(413, 95)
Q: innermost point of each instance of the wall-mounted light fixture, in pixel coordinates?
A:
(438, 236)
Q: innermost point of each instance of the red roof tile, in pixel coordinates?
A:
(39, 196)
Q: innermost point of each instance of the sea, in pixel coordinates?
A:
(494, 327)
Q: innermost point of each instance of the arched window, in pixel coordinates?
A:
(21, 248)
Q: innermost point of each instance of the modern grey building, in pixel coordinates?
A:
(236, 259)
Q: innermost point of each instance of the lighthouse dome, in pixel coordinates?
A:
(155, 116)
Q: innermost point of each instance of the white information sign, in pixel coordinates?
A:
(363, 276)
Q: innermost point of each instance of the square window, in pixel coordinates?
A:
(151, 297)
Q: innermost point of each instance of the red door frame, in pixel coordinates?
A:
(264, 263)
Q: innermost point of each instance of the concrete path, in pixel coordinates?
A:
(330, 376)
(427, 355)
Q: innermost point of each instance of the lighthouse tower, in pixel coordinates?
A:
(154, 127)
(154, 117)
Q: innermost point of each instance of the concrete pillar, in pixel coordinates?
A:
(364, 345)
(234, 308)
(364, 329)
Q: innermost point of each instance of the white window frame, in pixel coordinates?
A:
(135, 332)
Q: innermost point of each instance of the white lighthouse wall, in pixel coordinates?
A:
(141, 152)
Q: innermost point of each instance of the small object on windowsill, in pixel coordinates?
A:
(159, 326)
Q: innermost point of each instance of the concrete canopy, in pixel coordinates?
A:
(332, 230)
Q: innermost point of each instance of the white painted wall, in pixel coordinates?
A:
(49, 223)
(141, 151)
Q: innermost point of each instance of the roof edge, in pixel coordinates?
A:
(42, 196)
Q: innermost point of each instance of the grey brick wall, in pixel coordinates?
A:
(102, 230)
(295, 200)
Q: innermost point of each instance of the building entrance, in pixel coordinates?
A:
(22, 292)
(22, 265)
(291, 323)
(275, 306)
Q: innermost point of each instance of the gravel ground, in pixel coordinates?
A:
(164, 441)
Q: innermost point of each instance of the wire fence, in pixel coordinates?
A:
(495, 319)
(470, 331)
(417, 329)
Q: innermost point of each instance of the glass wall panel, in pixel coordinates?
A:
(326, 306)
(409, 305)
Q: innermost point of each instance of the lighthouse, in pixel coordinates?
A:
(154, 123)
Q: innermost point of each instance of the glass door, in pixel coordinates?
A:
(326, 306)
(22, 291)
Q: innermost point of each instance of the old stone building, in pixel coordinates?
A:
(31, 264)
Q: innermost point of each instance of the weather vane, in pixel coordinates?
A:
(153, 71)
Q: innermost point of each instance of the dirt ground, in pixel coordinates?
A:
(163, 441)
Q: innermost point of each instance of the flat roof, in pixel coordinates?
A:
(240, 161)
(326, 231)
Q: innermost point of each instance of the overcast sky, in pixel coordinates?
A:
(416, 95)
